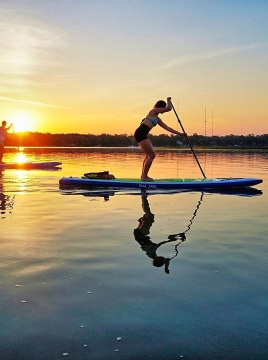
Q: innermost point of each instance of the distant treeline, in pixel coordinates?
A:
(106, 140)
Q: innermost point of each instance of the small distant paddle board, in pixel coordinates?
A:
(198, 184)
(31, 165)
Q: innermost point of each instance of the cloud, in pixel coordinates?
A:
(33, 103)
(27, 44)
(210, 55)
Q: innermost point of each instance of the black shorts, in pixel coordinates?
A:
(141, 133)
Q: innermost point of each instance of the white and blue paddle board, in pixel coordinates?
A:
(31, 165)
(198, 184)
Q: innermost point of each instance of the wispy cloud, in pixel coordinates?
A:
(56, 80)
(33, 103)
(28, 44)
(211, 54)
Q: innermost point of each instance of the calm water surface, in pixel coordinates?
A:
(125, 275)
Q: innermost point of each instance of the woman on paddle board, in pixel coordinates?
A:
(151, 120)
(3, 132)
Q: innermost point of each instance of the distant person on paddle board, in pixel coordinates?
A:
(3, 132)
(142, 131)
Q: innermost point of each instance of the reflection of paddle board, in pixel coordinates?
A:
(31, 165)
(197, 184)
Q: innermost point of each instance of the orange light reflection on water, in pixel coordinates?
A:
(22, 179)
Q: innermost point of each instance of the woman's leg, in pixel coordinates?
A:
(148, 149)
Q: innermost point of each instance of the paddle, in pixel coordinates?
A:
(188, 142)
(15, 137)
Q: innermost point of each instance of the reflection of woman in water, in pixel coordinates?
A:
(6, 201)
(142, 232)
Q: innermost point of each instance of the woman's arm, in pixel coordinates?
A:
(156, 111)
(164, 126)
(167, 108)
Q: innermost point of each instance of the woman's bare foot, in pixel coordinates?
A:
(147, 179)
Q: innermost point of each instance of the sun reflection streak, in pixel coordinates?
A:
(22, 179)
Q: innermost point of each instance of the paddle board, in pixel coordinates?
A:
(31, 165)
(198, 184)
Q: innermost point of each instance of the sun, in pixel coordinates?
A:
(22, 122)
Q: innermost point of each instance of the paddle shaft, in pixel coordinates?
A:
(188, 141)
(16, 137)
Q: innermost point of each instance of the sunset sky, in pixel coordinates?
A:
(98, 66)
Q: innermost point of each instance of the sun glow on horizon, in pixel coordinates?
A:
(22, 122)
